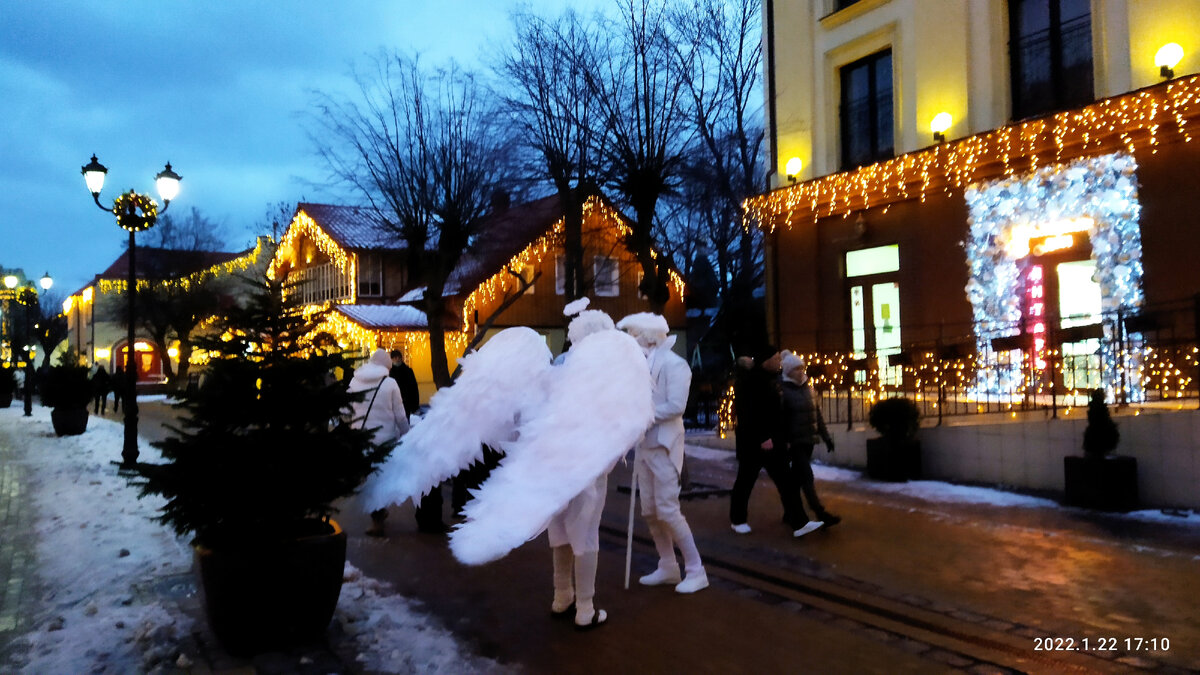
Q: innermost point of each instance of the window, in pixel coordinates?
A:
(608, 276)
(839, 5)
(370, 275)
(560, 275)
(867, 125)
(527, 275)
(1050, 53)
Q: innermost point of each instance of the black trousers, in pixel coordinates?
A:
(802, 476)
(429, 513)
(750, 463)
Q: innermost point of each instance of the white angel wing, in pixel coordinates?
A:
(480, 408)
(597, 406)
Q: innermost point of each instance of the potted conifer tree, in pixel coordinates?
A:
(896, 454)
(1099, 479)
(253, 469)
(66, 390)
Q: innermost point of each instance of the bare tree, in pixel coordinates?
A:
(192, 231)
(425, 150)
(725, 165)
(275, 219)
(556, 112)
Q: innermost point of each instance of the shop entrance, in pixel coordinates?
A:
(875, 308)
(1063, 312)
(147, 360)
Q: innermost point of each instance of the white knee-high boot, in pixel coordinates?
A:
(696, 577)
(564, 587)
(668, 568)
(586, 613)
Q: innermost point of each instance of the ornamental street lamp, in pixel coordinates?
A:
(10, 282)
(134, 212)
(28, 297)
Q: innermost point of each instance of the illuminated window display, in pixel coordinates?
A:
(1015, 220)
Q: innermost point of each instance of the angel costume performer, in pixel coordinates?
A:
(658, 457)
(561, 428)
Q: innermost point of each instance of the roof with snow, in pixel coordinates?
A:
(385, 317)
(353, 227)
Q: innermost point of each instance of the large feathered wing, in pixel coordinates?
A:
(597, 406)
(481, 407)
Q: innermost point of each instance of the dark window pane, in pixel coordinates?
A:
(1050, 55)
(866, 110)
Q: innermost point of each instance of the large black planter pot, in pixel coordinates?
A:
(69, 421)
(1102, 483)
(272, 595)
(5, 399)
(893, 460)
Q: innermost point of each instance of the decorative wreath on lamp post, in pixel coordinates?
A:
(135, 212)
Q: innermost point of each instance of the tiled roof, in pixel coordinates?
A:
(165, 263)
(385, 317)
(353, 227)
(502, 236)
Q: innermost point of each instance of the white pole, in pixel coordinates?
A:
(629, 530)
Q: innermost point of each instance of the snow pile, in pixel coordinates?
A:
(104, 567)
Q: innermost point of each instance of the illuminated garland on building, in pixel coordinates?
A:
(616, 220)
(186, 283)
(1004, 214)
(1126, 122)
(303, 226)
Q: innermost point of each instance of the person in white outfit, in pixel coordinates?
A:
(574, 532)
(658, 457)
(382, 407)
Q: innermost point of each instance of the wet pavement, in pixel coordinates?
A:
(902, 585)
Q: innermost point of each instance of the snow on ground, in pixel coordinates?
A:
(102, 565)
(942, 492)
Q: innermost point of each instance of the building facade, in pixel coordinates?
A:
(513, 275)
(1041, 243)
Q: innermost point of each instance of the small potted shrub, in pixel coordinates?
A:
(8, 385)
(252, 472)
(1099, 479)
(66, 389)
(896, 454)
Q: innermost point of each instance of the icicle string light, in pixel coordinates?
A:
(229, 267)
(1130, 122)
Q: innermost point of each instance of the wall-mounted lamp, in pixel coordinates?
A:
(793, 167)
(1167, 57)
(939, 124)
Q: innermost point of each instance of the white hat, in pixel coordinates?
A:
(791, 361)
(588, 322)
(381, 358)
(647, 324)
(576, 306)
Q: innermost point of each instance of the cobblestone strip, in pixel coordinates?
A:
(17, 564)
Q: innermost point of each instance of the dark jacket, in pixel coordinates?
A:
(407, 379)
(756, 405)
(802, 420)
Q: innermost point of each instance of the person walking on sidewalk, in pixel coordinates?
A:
(101, 385)
(758, 407)
(803, 424)
(658, 457)
(574, 532)
(406, 380)
(381, 408)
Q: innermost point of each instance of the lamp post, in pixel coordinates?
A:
(134, 212)
(10, 282)
(27, 298)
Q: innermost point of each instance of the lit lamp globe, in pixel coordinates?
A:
(167, 182)
(793, 167)
(46, 282)
(940, 123)
(1167, 57)
(10, 281)
(93, 175)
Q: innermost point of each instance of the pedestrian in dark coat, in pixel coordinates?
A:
(757, 405)
(101, 385)
(118, 388)
(803, 425)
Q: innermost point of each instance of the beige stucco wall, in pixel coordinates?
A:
(947, 55)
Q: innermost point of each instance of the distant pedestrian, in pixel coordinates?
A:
(118, 388)
(101, 385)
(406, 379)
(382, 407)
(803, 424)
(758, 407)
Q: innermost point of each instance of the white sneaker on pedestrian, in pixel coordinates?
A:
(810, 526)
(661, 577)
(741, 528)
(695, 581)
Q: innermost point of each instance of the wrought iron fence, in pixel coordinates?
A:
(1148, 358)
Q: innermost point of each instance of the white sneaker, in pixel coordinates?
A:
(811, 526)
(695, 581)
(741, 528)
(660, 577)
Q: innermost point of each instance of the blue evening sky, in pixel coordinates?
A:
(216, 88)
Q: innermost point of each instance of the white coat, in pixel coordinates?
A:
(671, 378)
(386, 415)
